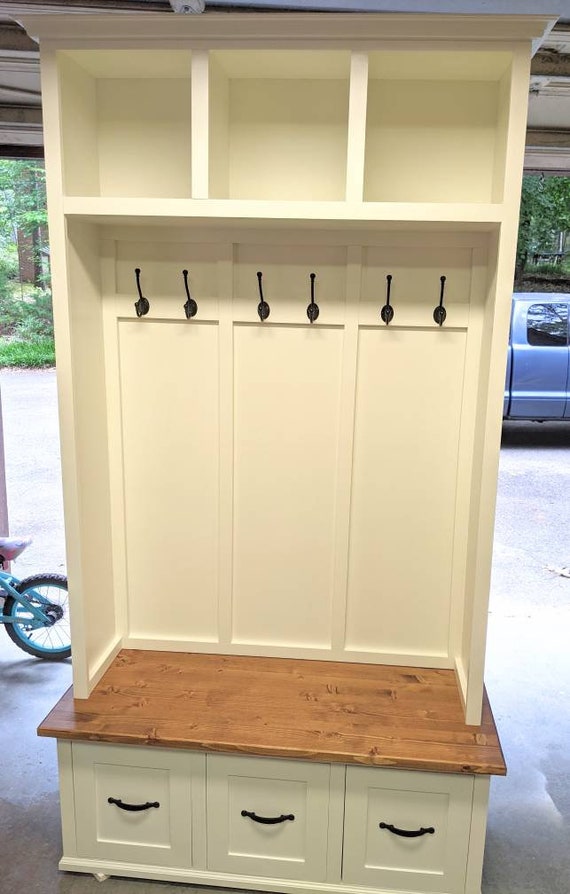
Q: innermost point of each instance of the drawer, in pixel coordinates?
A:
(382, 803)
(157, 782)
(267, 817)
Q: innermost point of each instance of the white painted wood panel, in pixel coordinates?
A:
(430, 141)
(295, 848)
(288, 140)
(467, 64)
(107, 63)
(409, 801)
(218, 130)
(79, 137)
(159, 835)
(287, 395)
(287, 125)
(162, 261)
(403, 498)
(144, 134)
(286, 265)
(170, 399)
(416, 271)
(126, 123)
(97, 631)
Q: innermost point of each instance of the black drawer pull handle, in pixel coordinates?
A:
(268, 820)
(124, 806)
(406, 833)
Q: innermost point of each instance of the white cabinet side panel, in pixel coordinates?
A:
(169, 386)
(287, 399)
(90, 418)
(79, 129)
(403, 499)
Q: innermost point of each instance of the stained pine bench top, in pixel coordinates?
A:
(374, 715)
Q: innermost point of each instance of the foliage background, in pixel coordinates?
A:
(544, 225)
(26, 319)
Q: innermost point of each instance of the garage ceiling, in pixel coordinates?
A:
(548, 135)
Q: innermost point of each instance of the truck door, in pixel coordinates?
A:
(540, 358)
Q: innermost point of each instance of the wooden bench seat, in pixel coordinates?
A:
(376, 715)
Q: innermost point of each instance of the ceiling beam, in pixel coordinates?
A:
(14, 38)
(551, 64)
(547, 151)
(16, 8)
(548, 138)
(20, 114)
(8, 150)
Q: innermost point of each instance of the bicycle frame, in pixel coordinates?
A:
(38, 617)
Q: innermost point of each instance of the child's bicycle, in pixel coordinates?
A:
(35, 612)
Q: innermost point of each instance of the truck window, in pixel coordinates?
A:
(547, 325)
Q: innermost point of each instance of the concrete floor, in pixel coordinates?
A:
(528, 665)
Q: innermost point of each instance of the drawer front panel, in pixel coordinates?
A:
(412, 802)
(242, 792)
(134, 777)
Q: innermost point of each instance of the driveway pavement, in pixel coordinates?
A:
(33, 471)
(528, 663)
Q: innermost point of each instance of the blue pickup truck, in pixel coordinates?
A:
(538, 365)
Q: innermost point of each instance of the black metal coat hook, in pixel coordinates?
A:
(263, 308)
(190, 306)
(440, 312)
(142, 306)
(387, 312)
(313, 308)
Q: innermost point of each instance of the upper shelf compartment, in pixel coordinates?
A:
(286, 125)
(126, 122)
(436, 126)
(278, 124)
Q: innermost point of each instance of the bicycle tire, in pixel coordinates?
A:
(49, 643)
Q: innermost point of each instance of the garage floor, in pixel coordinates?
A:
(528, 665)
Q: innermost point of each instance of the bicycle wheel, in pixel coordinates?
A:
(51, 642)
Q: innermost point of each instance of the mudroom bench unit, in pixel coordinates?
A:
(275, 774)
(282, 258)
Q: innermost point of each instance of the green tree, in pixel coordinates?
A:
(26, 318)
(23, 210)
(544, 217)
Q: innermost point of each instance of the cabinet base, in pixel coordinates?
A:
(104, 869)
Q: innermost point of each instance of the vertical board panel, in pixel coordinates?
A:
(287, 394)
(218, 131)
(170, 399)
(403, 500)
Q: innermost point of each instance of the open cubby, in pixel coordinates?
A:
(126, 123)
(278, 124)
(435, 127)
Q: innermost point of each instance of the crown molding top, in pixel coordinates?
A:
(300, 29)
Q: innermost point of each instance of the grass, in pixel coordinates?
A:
(27, 354)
